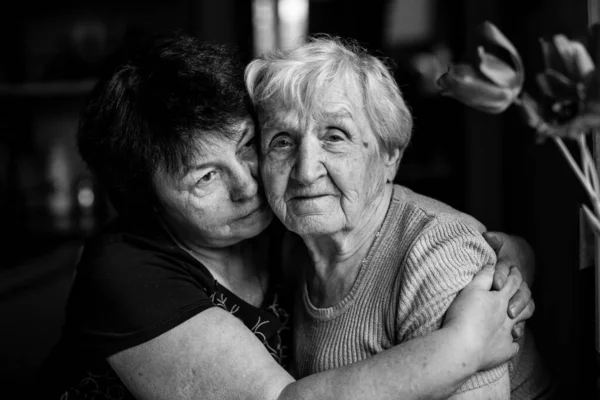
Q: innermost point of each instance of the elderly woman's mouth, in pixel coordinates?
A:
(310, 204)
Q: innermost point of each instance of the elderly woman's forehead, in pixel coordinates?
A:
(276, 115)
(332, 100)
(342, 98)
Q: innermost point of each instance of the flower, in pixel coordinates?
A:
(429, 66)
(569, 107)
(491, 84)
(567, 66)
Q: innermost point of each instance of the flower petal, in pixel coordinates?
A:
(462, 83)
(556, 85)
(568, 57)
(583, 61)
(565, 50)
(491, 34)
(544, 85)
(553, 59)
(497, 70)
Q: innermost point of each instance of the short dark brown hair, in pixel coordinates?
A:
(150, 106)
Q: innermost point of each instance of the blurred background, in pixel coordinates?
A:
(488, 166)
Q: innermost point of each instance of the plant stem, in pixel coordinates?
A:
(586, 185)
(588, 163)
(592, 219)
(584, 160)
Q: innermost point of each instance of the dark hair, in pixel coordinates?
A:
(147, 110)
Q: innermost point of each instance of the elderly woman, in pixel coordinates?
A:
(182, 296)
(384, 262)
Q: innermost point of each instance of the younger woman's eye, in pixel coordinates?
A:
(251, 142)
(207, 178)
(249, 148)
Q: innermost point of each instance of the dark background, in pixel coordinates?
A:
(489, 166)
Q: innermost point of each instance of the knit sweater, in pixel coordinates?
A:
(425, 254)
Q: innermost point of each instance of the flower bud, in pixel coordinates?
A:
(464, 84)
(492, 84)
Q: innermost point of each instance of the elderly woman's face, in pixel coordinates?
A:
(217, 202)
(321, 173)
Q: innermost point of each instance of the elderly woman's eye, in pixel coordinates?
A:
(335, 135)
(281, 141)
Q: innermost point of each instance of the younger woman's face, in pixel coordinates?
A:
(217, 201)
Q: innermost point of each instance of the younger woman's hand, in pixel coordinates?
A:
(512, 251)
(479, 315)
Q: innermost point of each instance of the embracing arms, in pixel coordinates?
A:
(214, 356)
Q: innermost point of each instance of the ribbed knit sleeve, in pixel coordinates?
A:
(441, 261)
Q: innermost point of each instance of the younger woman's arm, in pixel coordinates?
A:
(214, 356)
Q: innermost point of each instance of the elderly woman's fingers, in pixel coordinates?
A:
(513, 282)
(484, 278)
(519, 301)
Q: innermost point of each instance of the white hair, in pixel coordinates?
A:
(294, 79)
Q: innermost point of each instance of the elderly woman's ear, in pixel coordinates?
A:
(391, 161)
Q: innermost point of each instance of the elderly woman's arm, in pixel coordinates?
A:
(441, 261)
(214, 356)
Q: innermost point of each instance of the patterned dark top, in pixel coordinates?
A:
(133, 284)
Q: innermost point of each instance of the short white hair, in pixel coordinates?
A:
(295, 78)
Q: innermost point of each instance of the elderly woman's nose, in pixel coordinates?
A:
(244, 184)
(308, 167)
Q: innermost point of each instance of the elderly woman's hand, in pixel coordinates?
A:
(513, 251)
(479, 315)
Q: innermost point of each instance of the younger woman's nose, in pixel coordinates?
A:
(244, 184)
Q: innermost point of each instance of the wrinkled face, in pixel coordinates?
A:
(217, 201)
(321, 172)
